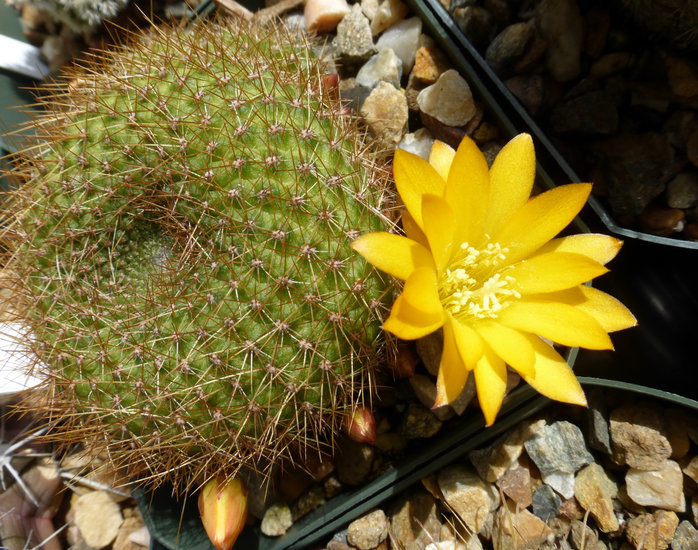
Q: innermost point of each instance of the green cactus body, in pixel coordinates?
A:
(184, 237)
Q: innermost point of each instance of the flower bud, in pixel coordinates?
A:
(403, 363)
(361, 425)
(223, 510)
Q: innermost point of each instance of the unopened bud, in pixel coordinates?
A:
(403, 364)
(223, 510)
(361, 425)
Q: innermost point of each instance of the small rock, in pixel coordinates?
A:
(682, 76)
(492, 461)
(387, 14)
(691, 469)
(528, 89)
(418, 143)
(354, 97)
(307, 502)
(652, 531)
(662, 488)
(385, 66)
(128, 527)
(429, 63)
(692, 148)
(558, 451)
(339, 542)
(414, 520)
(595, 492)
(682, 191)
(354, 462)
(662, 221)
(385, 113)
(486, 132)
(598, 23)
(523, 528)
(277, 519)
(685, 537)
(332, 487)
(679, 426)
(598, 436)
(467, 495)
(403, 39)
(368, 531)
(546, 503)
(571, 509)
(429, 350)
(590, 113)
(476, 23)
(370, 8)
(425, 390)
(450, 100)
(612, 63)
(516, 484)
(419, 422)
(508, 47)
(561, 25)
(466, 396)
(582, 536)
(324, 15)
(140, 537)
(98, 518)
(354, 43)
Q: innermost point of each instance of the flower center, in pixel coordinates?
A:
(473, 285)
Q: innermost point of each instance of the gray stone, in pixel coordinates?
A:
(598, 435)
(403, 39)
(385, 66)
(682, 191)
(419, 422)
(546, 503)
(558, 448)
(662, 488)
(509, 47)
(591, 113)
(685, 537)
(476, 23)
(368, 531)
(467, 495)
(449, 100)
(561, 25)
(354, 42)
(277, 520)
(637, 437)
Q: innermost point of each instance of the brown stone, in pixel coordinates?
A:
(637, 437)
(595, 492)
(661, 488)
(692, 148)
(662, 221)
(385, 113)
(682, 76)
(652, 531)
(516, 484)
(98, 517)
(414, 521)
(429, 63)
(368, 531)
(129, 526)
(524, 529)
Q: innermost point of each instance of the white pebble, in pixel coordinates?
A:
(324, 15)
(403, 39)
(418, 143)
(449, 100)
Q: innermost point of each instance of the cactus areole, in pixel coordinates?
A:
(182, 233)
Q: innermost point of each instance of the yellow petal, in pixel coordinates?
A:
(553, 377)
(512, 346)
(511, 180)
(414, 177)
(559, 322)
(440, 157)
(540, 219)
(491, 383)
(453, 374)
(608, 312)
(409, 323)
(394, 254)
(601, 248)
(470, 345)
(439, 225)
(553, 271)
(467, 191)
(422, 293)
(412, 230)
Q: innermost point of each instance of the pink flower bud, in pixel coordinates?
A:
(223, 510)
(361, 425)
(403, 364)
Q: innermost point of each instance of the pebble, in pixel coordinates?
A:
(354, 462)
(528, 89)
(612, 63)
(682, 76)
(691, 469)
(467, 495)
(385, 113)
(368, 531)
(425, 390)
(509, 47)
(516, 484)
(595, 492)
(682, 191)
(449, 100)
(662, 488)
(429, 63)
(385, 66)
(354, 43)
(308, 501)
(685, 537)
(582, 536)
(324, 15)
(598, 23)
(98, 518)
(418, 143)
(662, 221)
(637, 435)
(466, 396)
(128, 527)
(521, 527)
(591, 113)
(418, 422)
(476, 23)
(652, 531)
(414, 520)
(546, 503)
(561, 25)
(429, 350)
(277, 520)
(598, 435)
(692, 148)
(387, 14)
(403, 39)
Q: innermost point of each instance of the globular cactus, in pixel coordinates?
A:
(182, 237)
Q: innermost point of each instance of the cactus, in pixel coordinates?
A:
(80, 15)
(182, 233)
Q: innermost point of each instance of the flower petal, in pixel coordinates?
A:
(602, 248)
(394, 254)
(409, 323)
(422, 293)
(553, 271)
(453, 373)
(511, 180)
(439, 225)
(553, 377)
(470, 345)
(512, 346)
(540, 219)
(412, 230)
(440, 157)
(608, 312)
(559, 322)
(414, 177)
(467, 191)
(491, 384)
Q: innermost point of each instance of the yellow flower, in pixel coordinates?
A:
(479, 260)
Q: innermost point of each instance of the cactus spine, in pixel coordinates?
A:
(182, 231)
